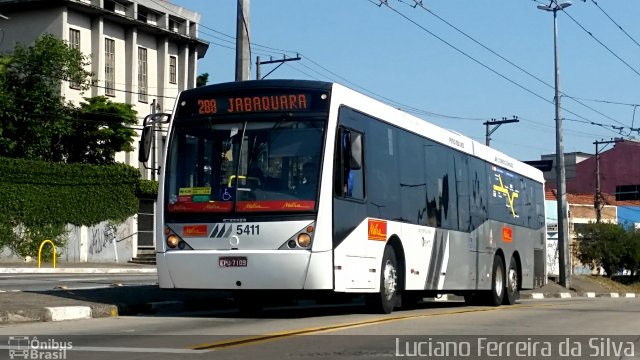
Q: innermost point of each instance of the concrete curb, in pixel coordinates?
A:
(567, 295)
(77, 271)
(59, 313)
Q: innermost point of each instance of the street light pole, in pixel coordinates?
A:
(561, 195)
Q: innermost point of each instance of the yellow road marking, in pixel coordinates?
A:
(250, 340)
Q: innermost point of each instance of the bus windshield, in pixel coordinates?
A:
(248, 166)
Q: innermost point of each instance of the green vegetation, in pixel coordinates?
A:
(41, 198)
(57, 159)
(202, 79)
(147, 189)
(101, 129)
(37, 123)
(610, 246)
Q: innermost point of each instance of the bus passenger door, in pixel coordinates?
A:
(349, 212)
(349, 209)
(480, 235)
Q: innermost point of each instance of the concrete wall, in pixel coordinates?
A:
(552, 255)
(38, 21)
(579, 214)
(104, 242)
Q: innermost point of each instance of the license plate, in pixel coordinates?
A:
(232, 261)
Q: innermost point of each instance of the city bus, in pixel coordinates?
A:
(309, 187)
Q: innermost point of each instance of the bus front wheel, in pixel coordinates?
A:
(384, 301)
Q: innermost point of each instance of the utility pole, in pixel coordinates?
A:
(597, 204)
(497, 124)
(242, 41)
(561, 185)
(282, 61)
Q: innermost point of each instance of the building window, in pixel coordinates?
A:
(142, 14)
(109, 66)
(173, 63)
(173, 25)
(627, 192)
(142, 74)
(74, 42)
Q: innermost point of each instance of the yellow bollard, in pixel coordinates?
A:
(54, 252)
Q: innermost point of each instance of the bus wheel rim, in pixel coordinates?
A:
(513, 280)
(499, 281)
(390, 280)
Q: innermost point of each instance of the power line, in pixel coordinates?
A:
(404, 106)
(574, 132)
(613, 21)
(598, 40)
(418, 3)
(605, 101)
(385, 2)
(281, 51)
(615, 129)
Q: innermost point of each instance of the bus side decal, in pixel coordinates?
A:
(377, 230)
(445, 263)
(436, 261)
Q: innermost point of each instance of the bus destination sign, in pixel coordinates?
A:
(254, 104)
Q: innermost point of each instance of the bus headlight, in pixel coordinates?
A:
(172, 241)
(304, 240)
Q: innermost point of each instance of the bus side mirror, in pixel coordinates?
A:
(144, 145)
(148, 129)
(356, 151)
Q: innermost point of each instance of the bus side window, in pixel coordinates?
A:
(349, 180)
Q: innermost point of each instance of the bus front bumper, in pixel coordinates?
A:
(201, 269)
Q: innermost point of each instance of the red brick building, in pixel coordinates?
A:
(619, 172)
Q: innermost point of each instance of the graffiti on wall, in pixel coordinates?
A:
(104, 236)
(101, 238)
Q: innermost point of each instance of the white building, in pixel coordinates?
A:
(143, 52)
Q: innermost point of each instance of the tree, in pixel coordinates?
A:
(33, 114)
(605, 245)
(100, 131)
(632, 256)
(202, 79)
(37, 124)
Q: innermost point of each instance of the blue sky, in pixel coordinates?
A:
(401, 55)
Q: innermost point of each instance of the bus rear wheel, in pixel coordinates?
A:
(496, 294)
(513, 284)
(384, 301)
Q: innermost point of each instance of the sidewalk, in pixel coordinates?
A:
(75, 268)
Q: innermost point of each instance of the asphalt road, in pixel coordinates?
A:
(551, 329)
(44, 282)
